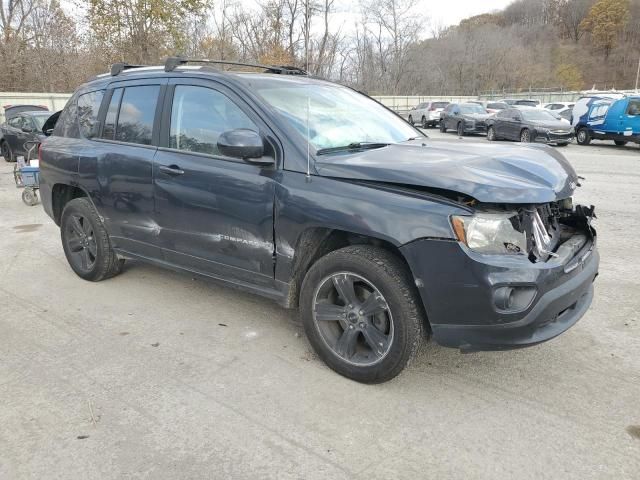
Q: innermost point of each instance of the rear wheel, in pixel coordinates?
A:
(620, 143)
(6, 152)
(525, 136)
(491, 134)
(583, 137)
(86, 242)
(359, 310)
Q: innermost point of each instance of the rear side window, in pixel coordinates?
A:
(88, 107)
(137, 111)
(199, 115)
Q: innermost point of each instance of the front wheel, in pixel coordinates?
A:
(425, 125)
(410, 119)
(360, 311)
(525, 136)
(460, 129)
(443, 127)
(620, 143)
(86, 243)
(583, 137)
(491, 134)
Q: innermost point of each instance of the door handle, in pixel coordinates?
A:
(171, 170)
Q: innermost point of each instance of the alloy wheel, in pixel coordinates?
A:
(353, 318)
(525, 136)
(81, 242)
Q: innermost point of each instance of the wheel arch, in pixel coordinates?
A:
(316, 242)
(63, 193)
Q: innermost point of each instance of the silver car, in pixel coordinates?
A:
(427, 114)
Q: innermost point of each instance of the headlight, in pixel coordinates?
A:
(491, 233)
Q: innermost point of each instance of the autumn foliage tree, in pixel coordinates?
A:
(605, 23)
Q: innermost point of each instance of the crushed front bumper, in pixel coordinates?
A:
(459, 291)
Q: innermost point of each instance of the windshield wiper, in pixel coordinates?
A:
(352, 146)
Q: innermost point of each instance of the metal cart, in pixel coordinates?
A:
(26, 176)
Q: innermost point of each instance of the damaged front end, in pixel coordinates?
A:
(540, 232)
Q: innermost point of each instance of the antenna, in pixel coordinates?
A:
(306, 52)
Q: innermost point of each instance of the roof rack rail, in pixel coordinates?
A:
(118, 68)
(172, 63)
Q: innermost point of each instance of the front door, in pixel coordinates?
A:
(214, 213)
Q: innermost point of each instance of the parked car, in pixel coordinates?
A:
(524, 102)
(605, 118)
(11, 110)
(427, 114)
(316, 196)
(464, 118)
(20, 128)
(494, 107)
(529, 124)
(559, 106)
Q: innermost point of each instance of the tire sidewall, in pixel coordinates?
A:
(7, 147)
(491, 134)
(396, 358)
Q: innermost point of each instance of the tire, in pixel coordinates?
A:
(6, 152)
(411, 120)
(620, 143)
(371, 272)
(583, 137)
(425, 125)
(29, 197)
(86, 243)
(443, 127)
(491, 134)
(460, 129)
(525, 136)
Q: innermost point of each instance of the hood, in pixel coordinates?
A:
(487, 172)
(550, 124)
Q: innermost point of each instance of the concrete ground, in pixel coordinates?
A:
(155, 374)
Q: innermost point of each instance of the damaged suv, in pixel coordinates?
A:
(316, 196)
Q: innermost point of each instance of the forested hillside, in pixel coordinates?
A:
(392, 49)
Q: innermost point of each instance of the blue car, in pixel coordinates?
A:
(605, 118)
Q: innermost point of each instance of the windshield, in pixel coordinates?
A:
(472, 108)
(338, 116)
(39, 121)
(537, 115)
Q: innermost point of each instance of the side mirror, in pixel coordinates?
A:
(27, 129)
(243, 143)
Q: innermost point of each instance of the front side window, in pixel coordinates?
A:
(88, 106)
(137, 111)
(199, 115)
(331, 115)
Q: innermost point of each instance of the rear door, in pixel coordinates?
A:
(119, 163)
(214, 213)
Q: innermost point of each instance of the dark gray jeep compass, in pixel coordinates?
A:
(316, 196)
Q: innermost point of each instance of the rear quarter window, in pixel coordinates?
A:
(67, 125)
